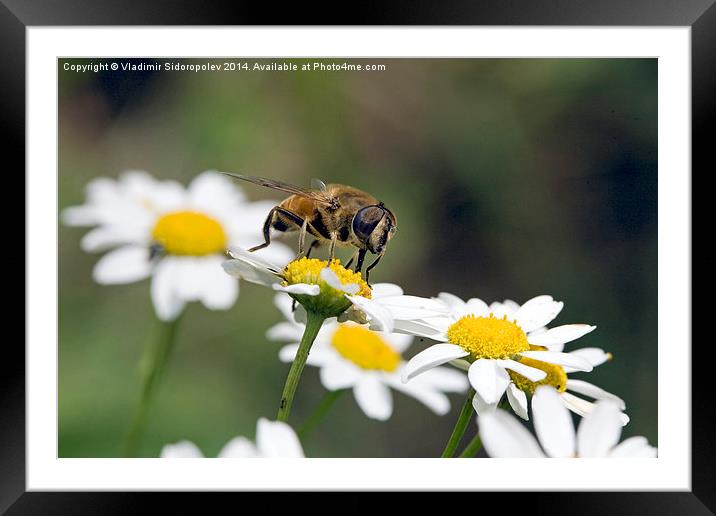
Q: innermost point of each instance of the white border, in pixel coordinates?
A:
(670, 471)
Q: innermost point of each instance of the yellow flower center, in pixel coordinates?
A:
(308, 270)
(488, 337)
(365, 348)
(189, 233)
(330, 302)
(556, 377)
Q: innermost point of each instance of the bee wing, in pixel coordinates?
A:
(318, 195)
(317, 184)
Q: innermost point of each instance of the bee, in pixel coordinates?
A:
(334, 214)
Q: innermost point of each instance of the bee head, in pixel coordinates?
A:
(373, 226)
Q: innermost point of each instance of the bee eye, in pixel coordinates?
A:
(366, 220)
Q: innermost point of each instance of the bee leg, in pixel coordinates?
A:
(348, 265)
(367, 271)
(332, 249)
(361, 257)
(292, 217)
(266, 231)
(314, 245)
(302, 237)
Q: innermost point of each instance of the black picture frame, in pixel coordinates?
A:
(17, 15)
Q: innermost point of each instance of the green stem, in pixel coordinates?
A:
(460, 426)
(321, 410)
(472, 447)
(313, 325)
(151, 367)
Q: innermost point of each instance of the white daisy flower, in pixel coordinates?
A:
(598, 434)
(351, 356)
(553, 340)
(493, 349)
(274, 439)
(331, 289)
(176, 235)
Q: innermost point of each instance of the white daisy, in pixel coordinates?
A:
(351, 356)
(331, 289)
(274, 439)
(598, 434)
(492, 349)
(553, 340)
(176, 235)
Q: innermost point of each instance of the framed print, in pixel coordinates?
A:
(335, 257)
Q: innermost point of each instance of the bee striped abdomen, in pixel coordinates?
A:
(318, 227)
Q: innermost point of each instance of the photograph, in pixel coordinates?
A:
(357, 257)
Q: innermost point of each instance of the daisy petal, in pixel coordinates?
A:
(398, 341)
(277, 253)
(599, 431)
(504, 436)
(419, 329)
(332, 279)
(477, 306)
(124, 265)
(181, 450)
(561, 359)
(285, 331)
(489, 379)
(560, 335)
(591, 390)
(317, 356)
(284, 305)
(246, 271)
(218, 291)
(256, 261)
(460, 363)
(553, 424)
(298, 288)
(277, 439)
(373, 397)
(211, 191)
(238, 448)
(165, 297)
(594, 356)
(425, 393)
(288, 353)
(531, 373)
(507, 307)
(380, 317)
(104, 237)
(538, 311)
(576, 404)
(451, 300)
(339, 375)
(79, 216)
(518, 401)
(412, 307)
(634, 447)
(445, 379)
(435, 355)
(481, 406)
(380, 290)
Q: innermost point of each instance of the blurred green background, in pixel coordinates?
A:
(510, 178)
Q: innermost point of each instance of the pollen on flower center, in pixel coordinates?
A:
(488, 337)
(556, 376)
(308, 270)
(189, 233)
(365, 348)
